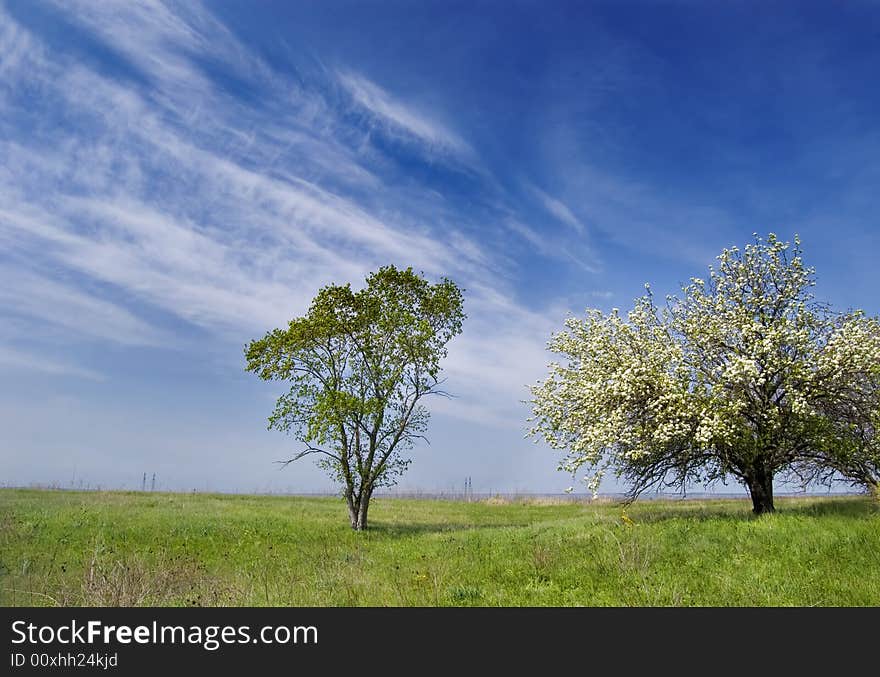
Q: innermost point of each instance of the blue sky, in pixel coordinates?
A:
(176, 179)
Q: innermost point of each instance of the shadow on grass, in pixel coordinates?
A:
(851, 507)
(860, 507)
(403, 529)
(725, 510)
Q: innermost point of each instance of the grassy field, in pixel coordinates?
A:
(126, 548)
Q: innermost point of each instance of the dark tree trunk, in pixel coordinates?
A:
(351, 502)
(760, 485)
(358, 505)
(352, 510)
(362, 512)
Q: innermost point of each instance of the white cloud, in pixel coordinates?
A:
(55, 304)
(12, 359)
(15, 45)
(160, 39)
(555, 247)
(401, 118)
(261, 244)
(230, 216)
(501, 351)
(559, 210)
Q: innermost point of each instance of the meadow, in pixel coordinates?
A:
(133, 548)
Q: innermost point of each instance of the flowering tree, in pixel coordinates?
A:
(360, 364)
(855, 457)
(744, 376)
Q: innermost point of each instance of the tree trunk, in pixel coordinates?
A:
(760, 485)
(361, 522)
(352, 509)
(358, 505)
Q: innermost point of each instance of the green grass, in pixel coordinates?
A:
(118, 548)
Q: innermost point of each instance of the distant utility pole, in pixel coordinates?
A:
(153, 483)
(144, 483)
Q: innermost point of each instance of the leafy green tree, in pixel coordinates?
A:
(359, 364)
(744, 376)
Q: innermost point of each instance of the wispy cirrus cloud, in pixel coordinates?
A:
(554, 247)
(16, 46)
(400, 119)
(180, 201)
(559, 210)
(160, 39)
(20, 360)
(54, 305)
(221, 206)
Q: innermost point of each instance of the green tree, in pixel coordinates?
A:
(359, 364)
(744, 376)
